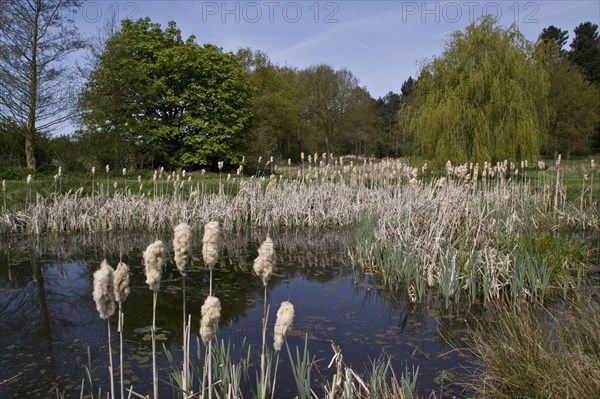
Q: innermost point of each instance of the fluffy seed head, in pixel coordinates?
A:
(121, 282)
(264, 264)
(103, 290)
(210, 243)
(211, 313)
(154, 258)
(285, 317)
(182, 245)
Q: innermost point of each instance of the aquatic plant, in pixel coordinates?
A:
(211, 313)
(154, 259)
(121, 286)
(182, 245)
(533, 352)
(104, 296)
(264, 264)
(283, 324)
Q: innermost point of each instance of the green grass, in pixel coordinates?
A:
(18, 193)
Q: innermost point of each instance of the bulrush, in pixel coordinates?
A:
(121, 282)
(264, 264)
(104, 296)
(154, 259)
(285, 317)
(211, 313)
(121, 288)
(210, 243)
(103, 290)
(182, 245)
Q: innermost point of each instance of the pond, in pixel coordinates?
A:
(49, 324)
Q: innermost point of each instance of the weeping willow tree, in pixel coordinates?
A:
(483, 99)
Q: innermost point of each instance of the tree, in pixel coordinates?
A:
(326, 94)
(585, 50)
(483, 99)
(358, 125)
(35, 37)
(574, 110)
(388, 107)
(276, 108)
(408, 87)
(557, 36)
(182, 103)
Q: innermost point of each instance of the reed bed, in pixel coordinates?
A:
(321, 196)
(535, 352)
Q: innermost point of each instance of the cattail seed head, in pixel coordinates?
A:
(29, 179)
(93, 170)
(182, 245)
(211, 313)
(107, 168)
(103, 294)
(154, 259)
(264, 264)
(121, 282)
(285, 317)
(210, 243)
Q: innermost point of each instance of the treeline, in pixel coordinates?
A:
(153, 98)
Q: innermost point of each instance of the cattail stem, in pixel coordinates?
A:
(205, 373)
(275, 376)
(263, 353)
(120, 329)
(154, 371)
(210, 369)
(184, 371)
(110, 361)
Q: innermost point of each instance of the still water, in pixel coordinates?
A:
(48, 320)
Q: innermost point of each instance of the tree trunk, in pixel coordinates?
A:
(33, 88)
(29, 154)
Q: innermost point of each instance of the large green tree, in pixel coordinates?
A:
(35, 86)
(182, 103)
(326, 95)
(556, 36)
(574, 110)
(585, 50)
(483, 99)
(276, 107)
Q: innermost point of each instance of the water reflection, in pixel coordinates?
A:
(49, 319)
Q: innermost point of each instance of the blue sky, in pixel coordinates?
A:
(381, 42)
